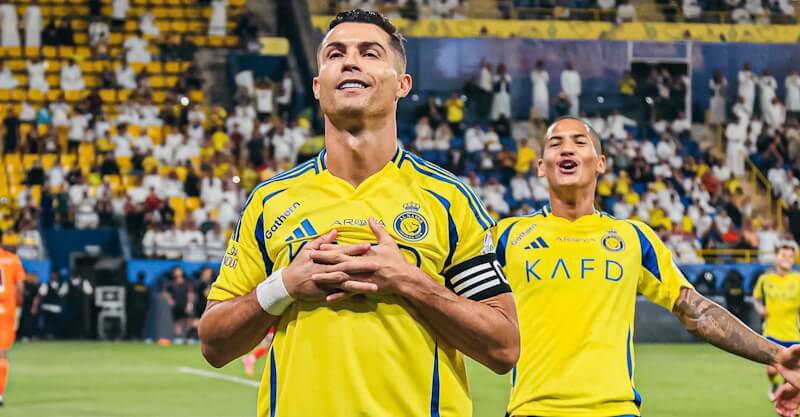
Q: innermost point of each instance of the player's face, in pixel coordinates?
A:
(784, 259)
(360, 74)
(570, 159)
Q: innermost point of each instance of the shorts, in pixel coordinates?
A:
(179, 312)
(7, 332)
(782, 343)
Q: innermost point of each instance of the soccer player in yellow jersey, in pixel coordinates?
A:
(776, 298)
(575, 273)
(374, 325)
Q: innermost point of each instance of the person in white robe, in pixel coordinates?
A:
(119, 9)
(136, 47)
(747, 87)
(219, 17)
(147, 24)
(7, 80)
(792, 84)
(125, 76)
(541, 95)
(36, 75)
(501, 101)
(766, 87)
(9, 26)
(72, 77)
(735, 150)
(719, 88)
(774, 114)
(571, 84)
(33, 25)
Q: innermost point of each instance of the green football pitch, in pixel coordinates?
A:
(54, 379)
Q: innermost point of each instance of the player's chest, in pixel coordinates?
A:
(782, 290)
(552, 258)
(418, 224)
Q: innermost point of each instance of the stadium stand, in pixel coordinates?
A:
(109, 124)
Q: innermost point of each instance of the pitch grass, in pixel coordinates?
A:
(130, 379)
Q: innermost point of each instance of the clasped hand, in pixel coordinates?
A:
(327, 271)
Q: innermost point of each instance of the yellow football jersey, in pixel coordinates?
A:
(575, 286)
(781, 297)
(366, 356)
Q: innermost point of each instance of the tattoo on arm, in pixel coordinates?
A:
(709, 321)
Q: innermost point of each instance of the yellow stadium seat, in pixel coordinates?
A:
(36, 95)
(192, 203)
(13, 52)
(159, 97)
(67, 159)
(12, 160)
(36, 193)
(181, 172)
(216, 41)
(179, 26)
(115, 182)
(54, 81)
(50, 51)
(128, 181)
(137, 67)
(125, 164)
(134, 130)
(18, 95)
(66, 51)
(31, 51)
(5, 95)
(74, 96)
(82, 39)
(24, 129)
(164, 171)
(108, 95)
(49, 160)
(154, 67)
(53, 95)
(157, 81)
(43, 129)
(196, 95)
(173, 67)
(149, 163)
(123, 95)
(155, 134)
(29, 159)
(178, 204)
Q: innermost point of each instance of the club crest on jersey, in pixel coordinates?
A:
(410, 224)
(612, 241)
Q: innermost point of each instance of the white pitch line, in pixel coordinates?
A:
(217, 375)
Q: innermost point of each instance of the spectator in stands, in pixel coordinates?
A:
(541, 95)
(36, 75)
(792, 85)
(774, 115)
(7, 80)
(216, 243)
(119, 11)
(71, 76)
(218, 20)
(192, 242)
(11, 128)
(264, 97)
(625, 12)
(735, 149)
(719, 90)
(617, 124)
(33, 25)
(50, 33)
(768, 239)
(86, 216)
(147, 24)
(454, 109)
(78, 125)
(136, 48)
(692, 11)
(246, 30)
(501, 100)
(484, 90)
(767, 86)
(31, 245)
(9, 29)
(180, 295)
(66, 36)
(284, 99)
(571, 85)
(747, 87)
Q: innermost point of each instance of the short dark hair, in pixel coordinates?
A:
(396, 40)
(593, 135)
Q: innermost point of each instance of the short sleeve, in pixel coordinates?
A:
(473, 271)
(245, 263)
(758, 291)
(660, 280)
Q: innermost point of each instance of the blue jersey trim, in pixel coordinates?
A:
(466, 189)
(782, 342)
(435, 382)
(273, 383)
(649, 258)
(513, 376)
(259, 234)
(292, 173)
(452, 231)
(502, 243)
(637, 398)
(457, 184)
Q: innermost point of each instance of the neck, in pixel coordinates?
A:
(782, 271)
(355, 155)
(571, 204)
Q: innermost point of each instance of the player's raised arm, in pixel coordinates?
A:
(709, 321)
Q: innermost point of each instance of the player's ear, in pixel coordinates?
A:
(315, 87)
(601, 165)
(540, 167)
(405, 85)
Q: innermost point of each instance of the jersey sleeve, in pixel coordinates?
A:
(758, 291)
(473, 271)
(245, 263)
(660, 280)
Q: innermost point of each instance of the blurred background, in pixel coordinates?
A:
(133, 131)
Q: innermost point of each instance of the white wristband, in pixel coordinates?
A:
(272, 295)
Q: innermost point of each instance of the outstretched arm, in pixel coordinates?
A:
(709, 321)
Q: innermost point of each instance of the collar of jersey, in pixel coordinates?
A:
(547, 211)
(321, 158)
